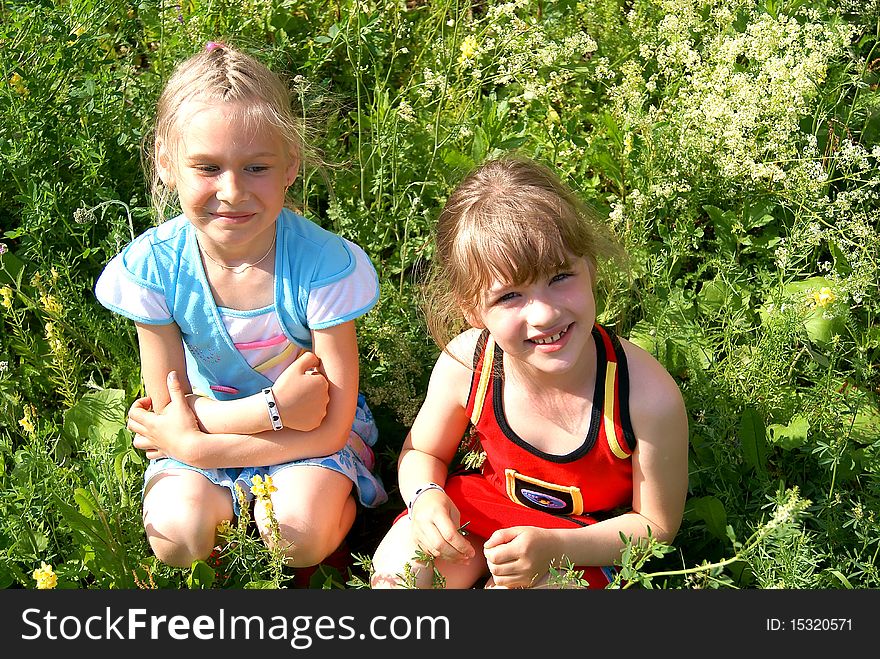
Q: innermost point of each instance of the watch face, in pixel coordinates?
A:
(542, 495)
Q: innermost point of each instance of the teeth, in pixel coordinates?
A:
(550, 339)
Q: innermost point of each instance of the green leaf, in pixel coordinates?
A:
(92, 531)
(717, 295)
(866, 424)
(479, 146)
(458, 160)
(841, 578)
(752, 437)
(789, 436)
(100, 414)
(86, 502)
(261, 584)
(201, 576)
(510, 143)
(710, 510)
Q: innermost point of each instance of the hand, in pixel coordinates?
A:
(144, 404)
(518, 557)
(435, 527)
(165, 434)
(302, 393)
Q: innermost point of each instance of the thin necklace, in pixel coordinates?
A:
(238, 269)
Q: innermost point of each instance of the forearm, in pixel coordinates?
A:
(600, 543)
(416, 468)
(242, 416)
(219, 450)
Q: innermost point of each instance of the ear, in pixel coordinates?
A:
(164, 165)
(473, 318)
(593, 271)
(292, 169)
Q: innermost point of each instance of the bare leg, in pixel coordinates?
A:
(315, 510)
(395, 565)
(181, 512)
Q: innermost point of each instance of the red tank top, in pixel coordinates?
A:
(592, 481)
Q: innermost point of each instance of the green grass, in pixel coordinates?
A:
(731, 145)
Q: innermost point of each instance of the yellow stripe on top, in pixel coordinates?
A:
(277, 359)
(610, 432)
(485, 376)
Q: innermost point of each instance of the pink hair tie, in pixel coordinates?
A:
(214, 45)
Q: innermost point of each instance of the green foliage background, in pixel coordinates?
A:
(732, 146)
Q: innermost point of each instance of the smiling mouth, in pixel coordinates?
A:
(550, 339)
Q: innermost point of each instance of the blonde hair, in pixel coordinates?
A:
(511, 219)
(221, 74)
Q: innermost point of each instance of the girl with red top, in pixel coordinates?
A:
(582, 435)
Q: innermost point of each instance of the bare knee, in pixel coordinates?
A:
(394, 564)
(179, 540)
(302, 545)
(181, 512)
(308, 540)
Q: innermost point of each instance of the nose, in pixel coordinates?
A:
(541, 312)
(230, 187)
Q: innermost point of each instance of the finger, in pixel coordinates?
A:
(451, 549)
(142, 443)
(455, 543)
(307, 361)
(499, 537)
(430, 541)
(136, 426)
(499, 555)
(174, 388)
(144, 403)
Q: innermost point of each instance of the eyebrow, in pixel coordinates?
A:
(247, 156)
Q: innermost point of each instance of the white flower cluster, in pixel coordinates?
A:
(505, 50)
(732, 99)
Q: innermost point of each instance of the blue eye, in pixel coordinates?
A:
(560, 276)
(506, 297)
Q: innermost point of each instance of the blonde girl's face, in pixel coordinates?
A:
(230, 178)
(546, 324)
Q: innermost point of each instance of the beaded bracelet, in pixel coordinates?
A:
(424, 488)
(272, 407)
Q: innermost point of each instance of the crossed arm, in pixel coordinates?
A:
(316, 396)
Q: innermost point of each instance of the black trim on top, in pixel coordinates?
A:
(481, 345)
(478, 351)
(623, 391)
(595, 415)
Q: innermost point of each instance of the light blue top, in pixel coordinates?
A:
(321, 280)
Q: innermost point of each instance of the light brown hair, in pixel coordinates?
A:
(222, 74)
(511, 219)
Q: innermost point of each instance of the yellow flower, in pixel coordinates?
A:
(50, 303)
(823, 297)
(262, 488)
(17, 83)
(27, 421)
(45, 577)
(7, 295)
(468, 49)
